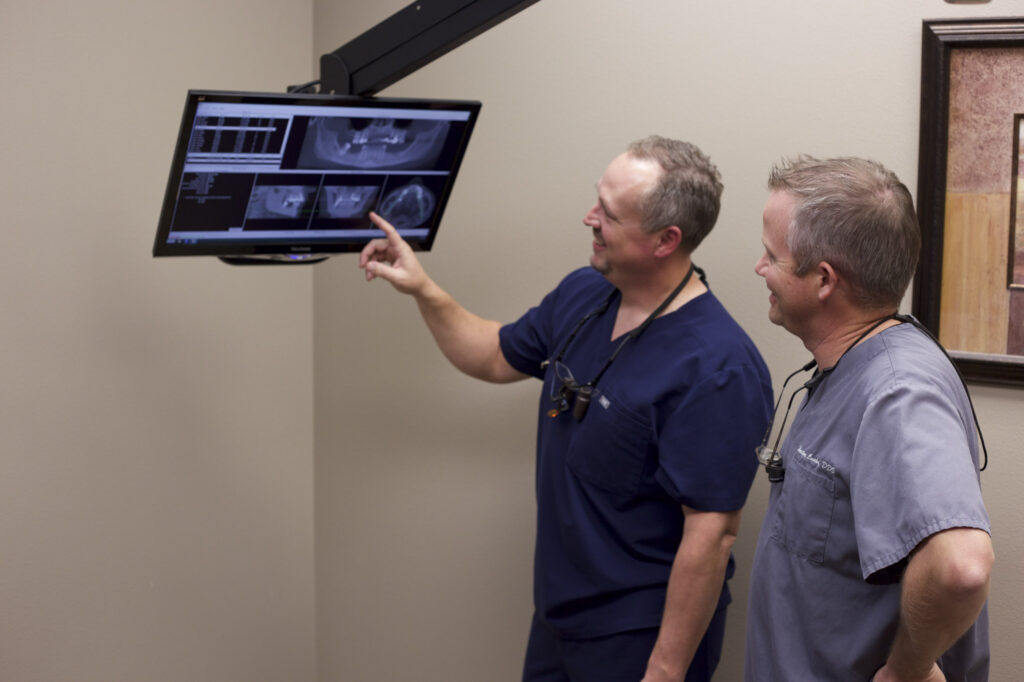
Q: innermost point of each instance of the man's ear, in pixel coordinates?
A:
(827, 280)
(669, 240)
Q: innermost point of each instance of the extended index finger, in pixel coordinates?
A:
(389, 230)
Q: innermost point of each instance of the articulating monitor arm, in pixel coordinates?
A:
(407, 40)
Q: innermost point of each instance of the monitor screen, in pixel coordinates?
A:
(291, 177)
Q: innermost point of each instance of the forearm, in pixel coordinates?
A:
(468, 341)
(944, 588)
(694, 588)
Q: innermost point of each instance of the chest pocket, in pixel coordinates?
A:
(609, 450)
(803, 520)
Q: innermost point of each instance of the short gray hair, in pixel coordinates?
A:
(688, 193)
(856, 215)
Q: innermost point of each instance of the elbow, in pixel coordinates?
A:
(726, 542)
(973, 577)
(967, 573)
(709, 534)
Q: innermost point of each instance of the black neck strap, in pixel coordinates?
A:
(906, 319)
(635, 333)
(632, 334)
(820, 375)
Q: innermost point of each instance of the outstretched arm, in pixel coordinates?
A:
(467, 340)
(944, 587)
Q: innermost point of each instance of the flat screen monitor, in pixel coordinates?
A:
(260, 177)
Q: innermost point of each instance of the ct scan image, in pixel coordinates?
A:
(372, 143)
(347, 201)
(408, 206)
(278, 201)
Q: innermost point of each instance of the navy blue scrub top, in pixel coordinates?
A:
(678, 415)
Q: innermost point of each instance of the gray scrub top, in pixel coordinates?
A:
(881, 455)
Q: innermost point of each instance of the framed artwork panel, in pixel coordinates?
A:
(969, 287)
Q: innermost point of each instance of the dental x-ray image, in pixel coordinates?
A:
(372, 143)
(281, 201)
(347, 201)
(278, 202)
(408, 206)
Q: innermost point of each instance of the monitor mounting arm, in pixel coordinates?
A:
(407, 40)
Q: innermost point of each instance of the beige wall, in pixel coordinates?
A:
(424, 477)
(157, 517)
(156, 416)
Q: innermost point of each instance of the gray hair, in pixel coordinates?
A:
(688, 193)
(856, 215)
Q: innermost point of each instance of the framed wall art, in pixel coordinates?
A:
(969, 286)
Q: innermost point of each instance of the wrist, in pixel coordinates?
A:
(891, 672)
(664, 668)
(429, 295)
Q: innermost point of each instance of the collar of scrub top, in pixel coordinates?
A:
(771, 458)
(580, 395)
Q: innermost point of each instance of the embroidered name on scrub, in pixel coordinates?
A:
(820, 463)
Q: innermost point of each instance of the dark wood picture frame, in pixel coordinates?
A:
(940, 38)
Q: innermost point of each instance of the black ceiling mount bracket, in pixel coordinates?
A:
(408, 40)
(334, 71)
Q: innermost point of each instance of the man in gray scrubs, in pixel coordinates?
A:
(873, 562)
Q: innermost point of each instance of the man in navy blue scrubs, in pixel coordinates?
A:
(653, 401)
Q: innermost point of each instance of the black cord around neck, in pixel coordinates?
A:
(910, 319)
(819, 376)
(632, 334)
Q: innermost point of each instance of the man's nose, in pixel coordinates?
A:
(759, 265)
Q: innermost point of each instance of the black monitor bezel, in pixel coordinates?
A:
(297, 248)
